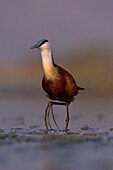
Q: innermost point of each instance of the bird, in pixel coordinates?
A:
(59, 84)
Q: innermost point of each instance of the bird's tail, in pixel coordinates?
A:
(80, 88)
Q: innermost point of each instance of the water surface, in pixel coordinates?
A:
(26, 144)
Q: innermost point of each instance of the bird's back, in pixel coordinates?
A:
(62, 89)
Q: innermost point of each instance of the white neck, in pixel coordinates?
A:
(47, 62)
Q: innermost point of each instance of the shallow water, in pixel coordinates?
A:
(26, 144)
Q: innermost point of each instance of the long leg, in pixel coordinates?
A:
(55, 103)
(45, 119)
(48, 116)
(67, 118)
(47, 111)
(53, 116)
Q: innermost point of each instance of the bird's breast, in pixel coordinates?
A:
(51, 74)
(53, 87)
(60, 86)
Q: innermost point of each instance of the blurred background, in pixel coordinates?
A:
(81, 34)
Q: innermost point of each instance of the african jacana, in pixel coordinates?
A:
(57, 82)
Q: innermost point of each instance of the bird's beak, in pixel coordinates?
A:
(34, 46)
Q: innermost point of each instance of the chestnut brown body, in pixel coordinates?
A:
(63, 88)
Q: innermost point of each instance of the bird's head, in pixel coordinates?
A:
(42, 44)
